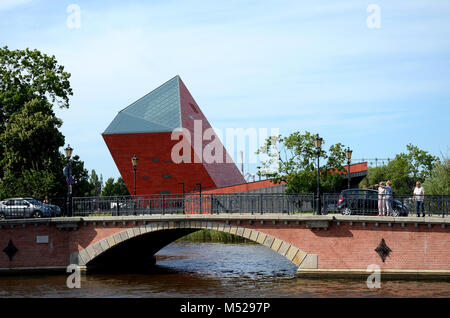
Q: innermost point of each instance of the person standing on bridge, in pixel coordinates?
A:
(381, 199)
(419, 197)
(389, 196)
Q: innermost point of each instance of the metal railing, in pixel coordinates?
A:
(194, 204)
(366, 203)
(357, 203)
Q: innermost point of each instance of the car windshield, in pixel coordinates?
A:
(36, 202)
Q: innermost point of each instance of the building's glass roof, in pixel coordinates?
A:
(158, 111)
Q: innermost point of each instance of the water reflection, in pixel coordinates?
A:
(215, 270)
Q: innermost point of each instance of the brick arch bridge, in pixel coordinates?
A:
(319, 245)
(147, 239)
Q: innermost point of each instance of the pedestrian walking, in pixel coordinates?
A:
(381, 199)
(419, 198)
(389, 193)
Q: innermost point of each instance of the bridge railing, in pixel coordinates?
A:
(194, 204)
(253, 203)
(363, 203)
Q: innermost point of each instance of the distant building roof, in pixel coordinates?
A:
(158, 111)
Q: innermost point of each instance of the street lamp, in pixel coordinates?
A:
(68, 151)
(318, 144)
(348, 154)
(134, 162)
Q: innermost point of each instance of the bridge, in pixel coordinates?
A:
(319, 245)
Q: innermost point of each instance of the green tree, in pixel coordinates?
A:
(32, 182)
(108, 189)
(29, 146)
(29, 74)
(30, 83)
(421, 163)
(120, 188)
(403, 171)
(292, 159)
(96, 184)
(117, 188)
(439, 180)
(81, 186)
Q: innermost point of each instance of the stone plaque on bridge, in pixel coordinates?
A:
(42, 239)
(317, 224)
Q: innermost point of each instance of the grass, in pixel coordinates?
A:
(213, 237)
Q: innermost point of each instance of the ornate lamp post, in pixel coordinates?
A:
(134, 162)
(348, 154)
(68, 151)
(318, 144)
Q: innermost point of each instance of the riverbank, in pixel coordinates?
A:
(211, 236)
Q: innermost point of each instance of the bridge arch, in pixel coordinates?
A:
(179, 229)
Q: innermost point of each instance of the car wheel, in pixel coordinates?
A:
(346, 211)
(37, 214)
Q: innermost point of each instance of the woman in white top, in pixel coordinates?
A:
(381, 199)
(419, 197)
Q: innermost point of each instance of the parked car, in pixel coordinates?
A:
(27, 207)
(365, 201)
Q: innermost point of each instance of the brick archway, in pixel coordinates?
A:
(285, 249)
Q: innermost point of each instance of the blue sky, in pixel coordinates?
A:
(292, 65)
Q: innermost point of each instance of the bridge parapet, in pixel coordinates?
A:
(69, 222)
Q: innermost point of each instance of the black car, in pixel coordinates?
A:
(365, 202)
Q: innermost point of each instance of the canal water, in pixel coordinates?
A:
(186, 269)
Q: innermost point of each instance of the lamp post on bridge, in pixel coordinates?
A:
(348, 154)
(318, 144)
(68, 151)
(134, 162)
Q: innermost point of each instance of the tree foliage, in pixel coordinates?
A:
(438, 182)
(96, 184)
(32, 139)
(404, 171)
(29, 74)
(117, 188)
(292, 160)
(30, 84)
(80, 174)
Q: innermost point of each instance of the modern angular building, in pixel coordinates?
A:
(145, 129)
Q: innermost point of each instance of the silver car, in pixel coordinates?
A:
(27, 207)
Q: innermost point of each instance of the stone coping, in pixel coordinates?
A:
(230, 217)
(385, 273)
